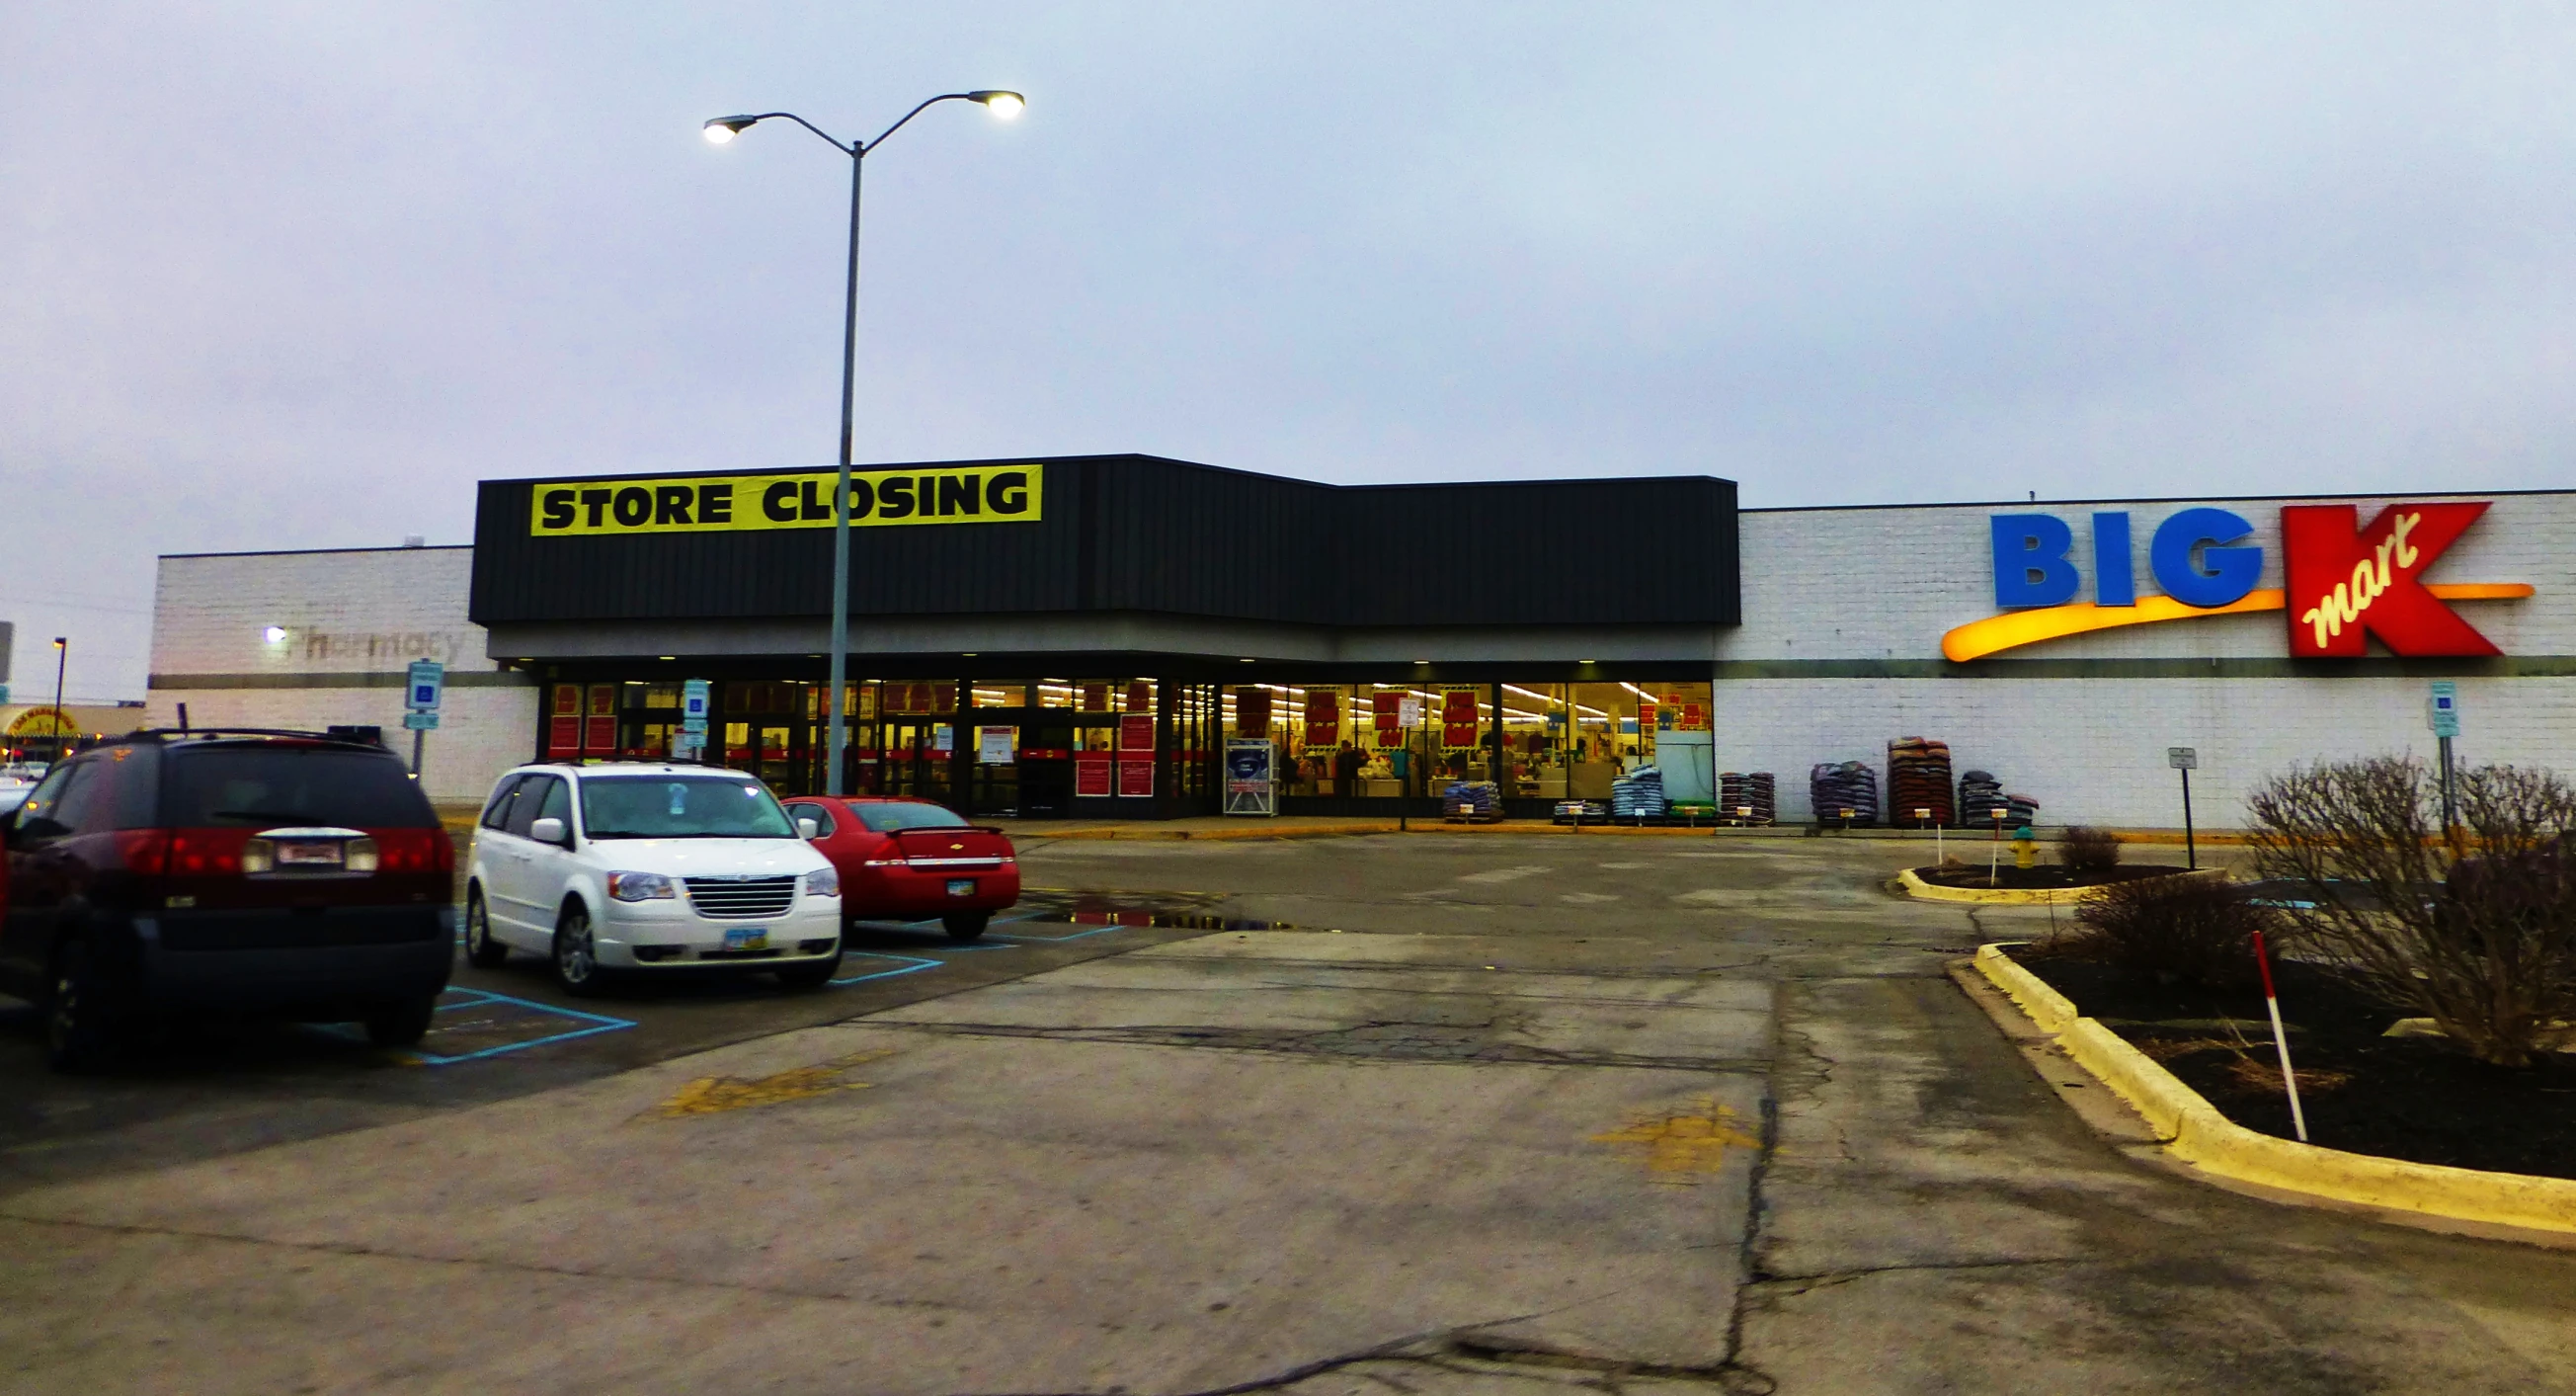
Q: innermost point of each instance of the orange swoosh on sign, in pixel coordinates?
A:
(2014, 629)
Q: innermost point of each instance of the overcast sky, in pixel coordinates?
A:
(289, 276)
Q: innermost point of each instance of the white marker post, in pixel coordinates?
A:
(1924, 816)
(2280, 1039)
(1995, 855)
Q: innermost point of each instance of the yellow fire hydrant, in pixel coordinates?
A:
(2025, 848)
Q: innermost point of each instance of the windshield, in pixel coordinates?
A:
(275, 784)
(681, 807)
(885, 819)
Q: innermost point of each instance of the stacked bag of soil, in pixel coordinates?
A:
(1918, 777)
(1980, 795)
(1849, 785)
(1737, 791)
(1477, 801)
(1638, 795)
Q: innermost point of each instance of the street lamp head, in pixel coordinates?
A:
(1002, 104)
(725, 128)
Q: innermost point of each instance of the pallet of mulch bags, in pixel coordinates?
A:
(1638, 797)
(1834, 787)
(1918, 778)
(1472, 802)
(1747, 800)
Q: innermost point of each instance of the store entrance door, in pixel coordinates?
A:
(912, 762)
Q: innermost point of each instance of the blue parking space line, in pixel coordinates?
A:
(915, 965)
(611, 1025)
(599, 1023)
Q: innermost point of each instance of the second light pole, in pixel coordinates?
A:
(725, 128)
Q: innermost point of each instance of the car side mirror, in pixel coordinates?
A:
(808, 828)
(547, 830)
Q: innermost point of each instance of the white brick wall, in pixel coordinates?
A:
(1884, 584)
(344, 613)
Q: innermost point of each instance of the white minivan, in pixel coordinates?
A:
(651, 868)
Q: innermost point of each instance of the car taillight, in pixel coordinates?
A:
(144, 851)
(206, 852)
(403, 851)
(360, 856)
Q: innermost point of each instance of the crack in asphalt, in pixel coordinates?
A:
(1381, 1039)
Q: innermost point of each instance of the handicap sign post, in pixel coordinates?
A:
(692, 742)
(424, 688)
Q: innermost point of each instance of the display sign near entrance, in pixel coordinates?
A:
(2343, 583)
(736, 503)
(1386, 717)
(1458, 718)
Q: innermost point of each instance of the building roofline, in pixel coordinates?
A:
(1108, 456)
(317, 552)
(2027, 504)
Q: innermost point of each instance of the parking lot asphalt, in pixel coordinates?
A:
(212, 1086)
(1461, 1115)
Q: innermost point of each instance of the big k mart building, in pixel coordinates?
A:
(1083, 636)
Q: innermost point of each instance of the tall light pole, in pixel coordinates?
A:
(724, 128)
(62, 653)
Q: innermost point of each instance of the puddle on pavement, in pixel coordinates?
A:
(1181, 911)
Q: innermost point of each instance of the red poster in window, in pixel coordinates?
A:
(1091, 773)
(601, 739)
(1694, 718)
(1135, 774)
(603, 700)
(1323, 717)
(1095, 699)
(1386, 714)
(1646, 711)
(563, 725)
(1136, 732)
(1140, 697)
(1252, 712)
(1458, 714)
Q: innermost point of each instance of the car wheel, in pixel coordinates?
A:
(812, 974)
(966, 925)
(481, 950)
(80, 1025)
(576, 959)
(401, 1022)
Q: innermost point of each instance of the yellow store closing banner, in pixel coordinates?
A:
(733, 503)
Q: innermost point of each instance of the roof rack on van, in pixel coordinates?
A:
(347, 736)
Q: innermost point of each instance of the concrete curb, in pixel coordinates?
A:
(1921, 890)
(2193, 1130)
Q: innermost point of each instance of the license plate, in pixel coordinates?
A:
(747, 938)
(309, 854)
(961, 886)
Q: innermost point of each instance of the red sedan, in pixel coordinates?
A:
(903, 859)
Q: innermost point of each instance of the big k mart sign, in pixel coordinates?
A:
(2344, 582)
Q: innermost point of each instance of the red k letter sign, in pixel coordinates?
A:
(2345, 583)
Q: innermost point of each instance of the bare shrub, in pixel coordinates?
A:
(2085, 849)
(2473, 926)
(2194, 929)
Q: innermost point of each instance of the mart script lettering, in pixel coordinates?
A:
(750, 503)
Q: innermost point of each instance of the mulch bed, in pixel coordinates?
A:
(2412, 1098)
(2047, 875)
